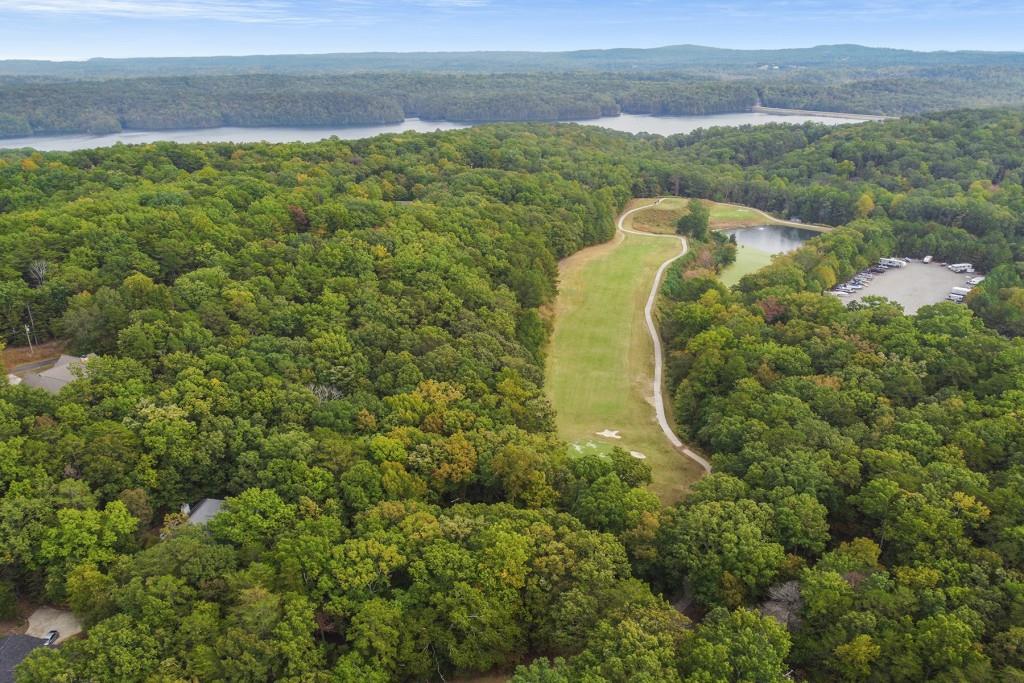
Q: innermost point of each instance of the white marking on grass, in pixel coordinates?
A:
(638, 455)
(609, 434)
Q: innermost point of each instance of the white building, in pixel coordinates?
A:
(204, 511)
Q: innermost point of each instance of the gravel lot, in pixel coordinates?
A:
(913, 286)
(46, 618)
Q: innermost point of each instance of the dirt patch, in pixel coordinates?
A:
(484, 678)
(14, 356)
(49, 619)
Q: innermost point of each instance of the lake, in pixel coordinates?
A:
(628, 123)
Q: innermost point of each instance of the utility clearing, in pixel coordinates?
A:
(601, 360)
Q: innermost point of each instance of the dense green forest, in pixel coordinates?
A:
(345, 340)
(105, 96)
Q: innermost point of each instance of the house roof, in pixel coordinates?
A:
(205, 510)
(37, 381)
(13, 650)
(66, 370)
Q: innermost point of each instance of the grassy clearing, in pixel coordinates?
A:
(600, 361)
(659, 219)
(662, 219)
(730, 216)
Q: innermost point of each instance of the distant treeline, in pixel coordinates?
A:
(694, 59)
(34, 106)
(265, 100)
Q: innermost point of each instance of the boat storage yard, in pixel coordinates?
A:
(912, 283)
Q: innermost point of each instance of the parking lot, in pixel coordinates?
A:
(913, 286)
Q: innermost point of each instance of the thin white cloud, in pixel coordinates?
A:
(878, 10)
(260, 11)
(243, 11)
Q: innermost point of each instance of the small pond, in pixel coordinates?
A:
(757, 246)
(772, 239)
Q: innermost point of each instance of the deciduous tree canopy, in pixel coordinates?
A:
(346, 342)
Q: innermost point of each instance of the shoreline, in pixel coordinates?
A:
(631, 123)
(758, 109)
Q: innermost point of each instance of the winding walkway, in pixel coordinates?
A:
(652, 330)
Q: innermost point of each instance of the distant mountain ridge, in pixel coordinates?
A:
(673, 57)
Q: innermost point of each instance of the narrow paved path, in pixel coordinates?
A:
(652, 330)
(34, 365)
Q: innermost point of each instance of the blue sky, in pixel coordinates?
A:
(78, 29)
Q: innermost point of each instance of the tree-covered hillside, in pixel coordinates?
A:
(346, 341)
(103, 96)
(259, 100)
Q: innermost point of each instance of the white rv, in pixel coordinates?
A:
(961, 267)
(892, 262)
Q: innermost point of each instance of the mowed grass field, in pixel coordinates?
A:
(663, 217)
(601, 361)
(730, 216)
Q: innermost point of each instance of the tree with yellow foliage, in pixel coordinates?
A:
(865, 205)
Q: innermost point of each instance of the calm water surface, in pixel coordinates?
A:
(673, 125)
(629, 123)
(772, 239)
